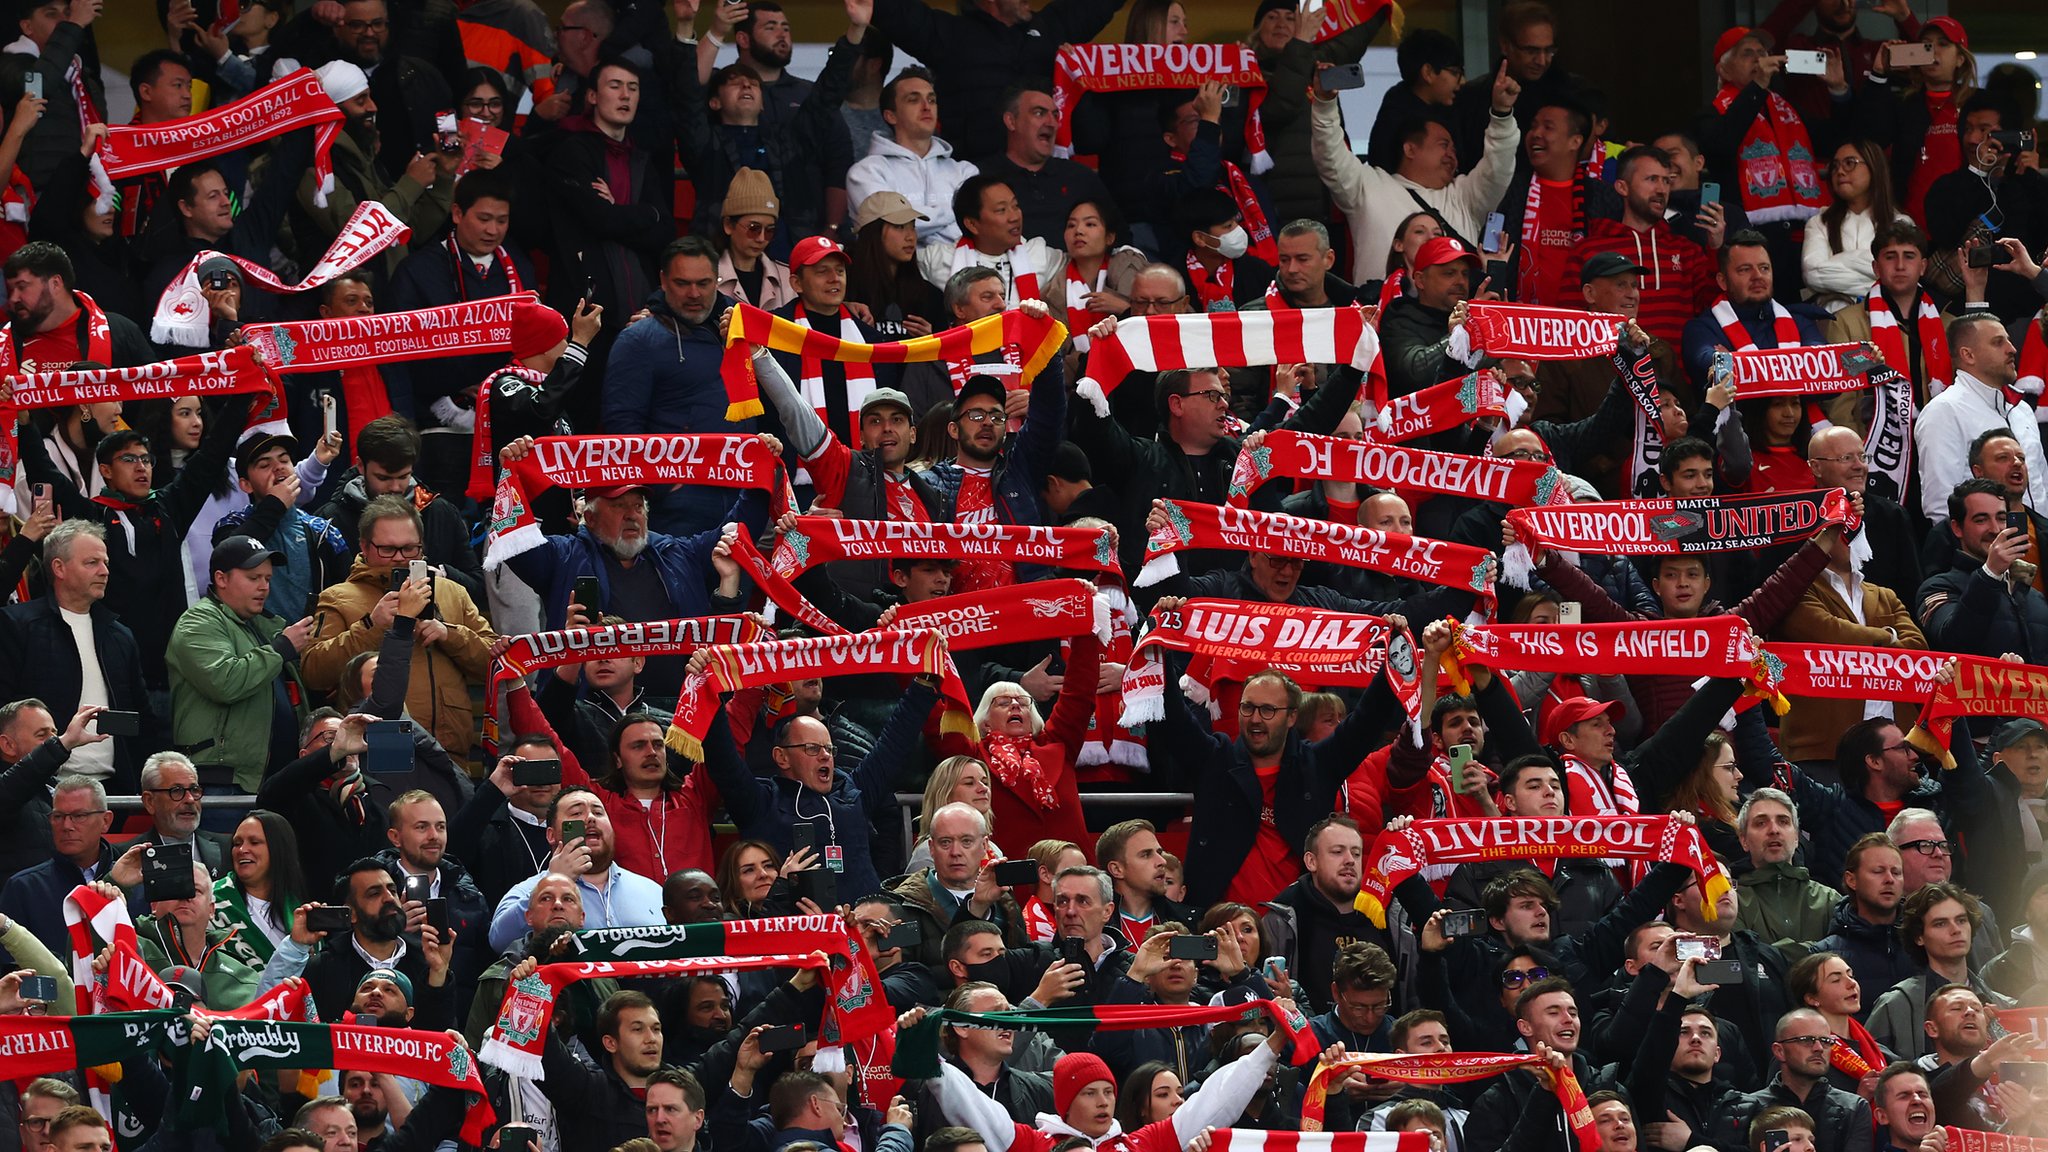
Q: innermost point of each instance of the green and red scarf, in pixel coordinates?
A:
(234, 1045)
(1433, 1068)
(1396, 856)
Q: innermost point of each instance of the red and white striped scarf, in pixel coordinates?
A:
(1115, 753)
(1236, 186)
(1238, 339)
(1079, 318)
(1591, 794)
(1891, 342)
(1784, 334)
(1024, 271)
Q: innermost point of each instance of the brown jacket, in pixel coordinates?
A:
(1810, 729)
(1851, 325)
(438, 689)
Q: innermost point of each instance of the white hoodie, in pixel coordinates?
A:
(927, 181)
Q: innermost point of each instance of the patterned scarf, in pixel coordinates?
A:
(1779, 178)
(1012, 760)
(1024, 271)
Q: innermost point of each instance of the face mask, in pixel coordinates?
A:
(994, 972)
(1233, 243)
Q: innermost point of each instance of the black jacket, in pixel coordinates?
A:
(25, 791)
(792, 148)
(1307, 930)
(1841, 1120)
(432, 276)
(468, 915)
(1415, 340)
(501, 849)
(39, 657)
(608, 244)
(1967, 610)
(337, 968)
(1876, 954)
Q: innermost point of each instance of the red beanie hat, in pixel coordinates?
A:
(1073, 1072)
(1727, 41)
(535, 329)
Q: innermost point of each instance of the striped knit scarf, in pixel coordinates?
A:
(1891, 342)
(1024, 271)
(1235, 339)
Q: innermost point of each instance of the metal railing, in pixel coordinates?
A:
(907, 805)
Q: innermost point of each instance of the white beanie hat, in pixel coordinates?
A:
(342, 80)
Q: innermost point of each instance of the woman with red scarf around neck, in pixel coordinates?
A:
(1778, 429)
(1824, 983)
(1032, 761)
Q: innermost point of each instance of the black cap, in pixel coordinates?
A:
(1070, 463)
(1266, 6)
(1603, 264)
(2014, 731)
(240, 552)
(980, 384)
(256, 444)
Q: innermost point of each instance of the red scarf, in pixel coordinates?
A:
(483, 458)
(1114, 752)
(1017, 613)
(457, 258)
(1193, 526)
(1668, 527)
(1304, 456)
(1441, 407)
(1015, 764)
(285, 105)
(1705, 646)
(722, 460)
(535, 651)
(1778, 176)
(1079, 318)
(1135, 67)
(1891, 342)
(1848, 672)
(1532, 332)
(1250, 214)
(1856, 1055)
(1216, 290)
(1982, 687)
(1432, 1068)
(466, 329)
(1396, 856)
(2033, 360)
(1339, 15)
(815, 540)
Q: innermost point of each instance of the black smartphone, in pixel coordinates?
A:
(820, 886)
(118, 723)
(783, 1038)
(572, 831)
(1717, 971)
(437, 914)
(2018, 141)
(329, 920)
(906, 934)
(2015, 520)
(1073, 950)
(1191, 947)
(167, 872)
(536, 773)
(312, 602)
(517, 1138)
(589, 596)
(417, 887)
(1775, 1139)
(1341, 77)
(2031, 1073)
(398, 578)
(43, 988)
(390, 747)
(1988, 255)
(1016, 873)
(363, 1019)
(1462, 923)
(804, 836)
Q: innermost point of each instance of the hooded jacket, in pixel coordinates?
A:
(438, 692)
(1877, 956)
(445, 536)
(927, 181)
(1680, 284)
(230, 980)
(1784, 902)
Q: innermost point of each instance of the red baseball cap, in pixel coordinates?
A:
(1443, 250)
(1727, 41)
(811, 249)
(1562, 714)
(1948, 26)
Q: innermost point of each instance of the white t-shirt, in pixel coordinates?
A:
(259, 915)
(88, 759)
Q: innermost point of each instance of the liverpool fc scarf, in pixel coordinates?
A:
(286, 105)
(860, 378)
(1441, 407)
(1135, 67)
(207, 374)
(1339, 15)
(917, 1049)
(1858, 1054)
(514, 1042)
(1777, 174)
(1982, 687)
(1979, 1140)
(32, 1046)
(1017, 613)
(721, 460)
(538, 650)
(1195, 526)
(1433, 1068)
(466, 329)
(776, 586)
(1927, 325)
(1674, 527)
(1302, 456)
(182, 311)
(1792, 370)
(737, 666)
(483, 456)
(1705, 646)
(1038, 337)
(1532, 332)
(1232, 639)
(1226, 339)
(1396, 856)
(233, 1045)
(1848, 672)
(1255, 1140)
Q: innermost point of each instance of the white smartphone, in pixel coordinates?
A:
(419, 570)
(1806, 62)
(327, 412)
(1568, 612)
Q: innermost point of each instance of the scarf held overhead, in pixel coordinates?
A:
(285, 105)
(1303, 456)
(1038, 337)
(538, 650)
(1432, 1068)
(1674, 527)
(1226, 339)
(1533, 332)
(1982, 687)
(1191, 526)
(1777, 176)
(182, 314)
(1015, 614)
(816, 540)
(467, 329)
(1396, 856)
(1441, 407)
(1720, 646)
(736, 666)
(718, 460)
(1135, 67)
(1823, 369)
(917, 1048)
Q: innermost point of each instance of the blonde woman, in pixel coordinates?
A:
(957, 780)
